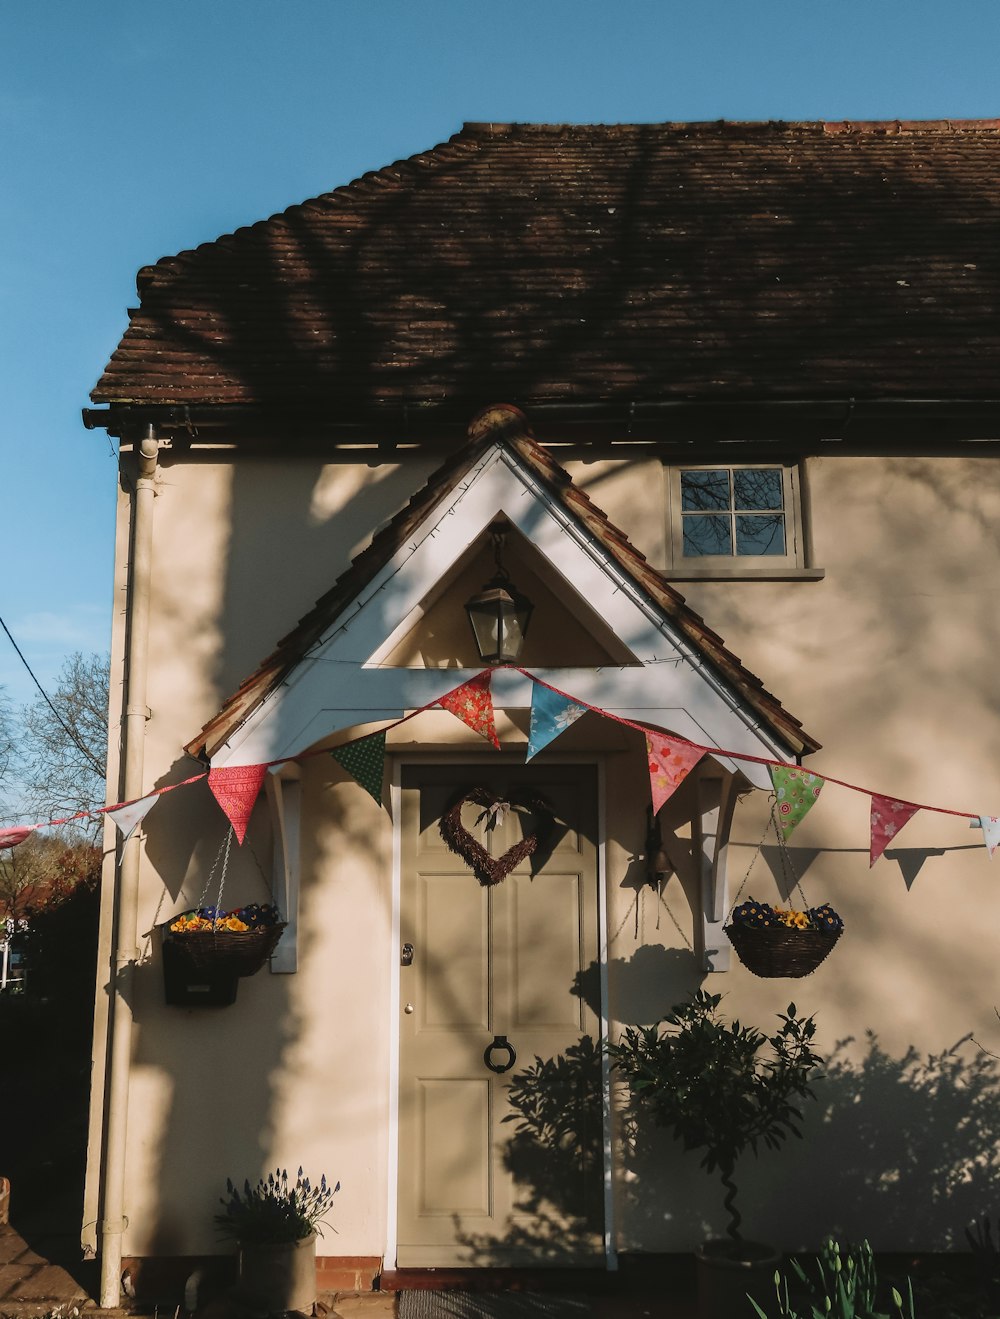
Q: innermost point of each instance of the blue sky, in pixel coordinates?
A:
(129, 130)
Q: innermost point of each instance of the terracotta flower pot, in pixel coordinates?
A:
(278, 1276)
(729, 1271)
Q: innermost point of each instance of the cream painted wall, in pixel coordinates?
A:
(888, 660)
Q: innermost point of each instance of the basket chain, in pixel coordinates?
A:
(787, 867)
(223, 856)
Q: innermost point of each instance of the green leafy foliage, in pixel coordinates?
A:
(720, 1087)
(272, 1211)
(844, 1288)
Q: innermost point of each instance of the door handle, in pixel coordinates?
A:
(500, 1042)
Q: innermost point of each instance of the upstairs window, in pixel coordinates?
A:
(740, 521)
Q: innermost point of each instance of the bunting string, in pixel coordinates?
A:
(670, 757)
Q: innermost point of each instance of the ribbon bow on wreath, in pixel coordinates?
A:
(492, 869)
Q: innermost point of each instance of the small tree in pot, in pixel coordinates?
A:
(725, 1089)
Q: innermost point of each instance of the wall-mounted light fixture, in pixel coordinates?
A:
(499, 613)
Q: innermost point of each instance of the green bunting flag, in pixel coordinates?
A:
(796, 792)
(364, 760)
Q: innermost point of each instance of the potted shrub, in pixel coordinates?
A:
(275, 1225)
(724, 1089)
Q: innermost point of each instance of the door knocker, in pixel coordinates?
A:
(500, 1042)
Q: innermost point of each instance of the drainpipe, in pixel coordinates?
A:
(126, 952)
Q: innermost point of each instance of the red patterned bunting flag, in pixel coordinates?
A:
(11, 837)
(473, 704)
(236, 788)
(888, 817)
(670, 762)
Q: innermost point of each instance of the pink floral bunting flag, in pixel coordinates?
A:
(473, 704)
(670, 762)
(888, 817)
(796, 791)
(236, 788)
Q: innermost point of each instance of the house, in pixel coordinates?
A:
(721, 400)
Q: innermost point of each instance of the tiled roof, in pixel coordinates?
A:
(548, 263)
(508, 426)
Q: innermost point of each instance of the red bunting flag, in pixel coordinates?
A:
(11, 837)
(236, 788)
(473, 704)
(888, 817)
(670, 762)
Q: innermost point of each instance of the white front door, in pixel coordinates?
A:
(499, 1167)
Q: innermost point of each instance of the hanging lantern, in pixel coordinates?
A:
(499, 613)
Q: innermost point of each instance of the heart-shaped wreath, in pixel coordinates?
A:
(492, 869)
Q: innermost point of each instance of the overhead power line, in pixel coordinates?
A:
(95, 766)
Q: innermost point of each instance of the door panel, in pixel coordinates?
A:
(499, 1169)
(455, 1125)
(454, 989)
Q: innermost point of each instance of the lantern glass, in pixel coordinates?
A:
(499, 615)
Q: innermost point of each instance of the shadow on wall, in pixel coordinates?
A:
(901, 1150)
(907, 1145)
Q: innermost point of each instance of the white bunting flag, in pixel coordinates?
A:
(129, 817)
(990, 825)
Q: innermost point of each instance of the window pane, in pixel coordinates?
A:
(707, 534)
(763, 533)
(705, 491)
(757, 487)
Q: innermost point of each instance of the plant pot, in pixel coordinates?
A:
(278, 1276)
(730, 1271)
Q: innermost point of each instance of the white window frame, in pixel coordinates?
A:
(794, 563)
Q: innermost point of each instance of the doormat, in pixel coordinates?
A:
(419, 1304)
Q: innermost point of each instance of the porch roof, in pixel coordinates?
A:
(507, 426)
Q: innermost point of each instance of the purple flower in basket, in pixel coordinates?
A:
(825, 918)
(753, 913)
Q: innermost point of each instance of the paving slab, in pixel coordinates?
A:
(27, 1278)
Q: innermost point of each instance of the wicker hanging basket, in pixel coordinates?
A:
(770, 951)
(219, 952)
(223, 952)
(767, 946)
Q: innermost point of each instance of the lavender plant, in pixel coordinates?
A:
(273, 1211)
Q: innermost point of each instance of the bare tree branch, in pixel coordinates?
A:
(64, 742)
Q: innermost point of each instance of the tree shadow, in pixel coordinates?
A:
(555, 1157)
(908, 1144)
(899, 1149)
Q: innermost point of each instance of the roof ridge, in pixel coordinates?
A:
(477, 130)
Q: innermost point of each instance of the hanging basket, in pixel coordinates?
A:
(223, 952)
(771, 951)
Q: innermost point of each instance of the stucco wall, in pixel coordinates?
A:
(888, 660)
